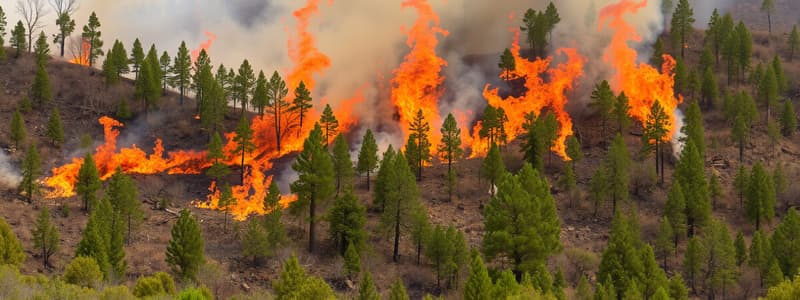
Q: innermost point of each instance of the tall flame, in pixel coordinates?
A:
(82, 57)
(538, 96)
(642, 83)
(417, 81)
(204, 45)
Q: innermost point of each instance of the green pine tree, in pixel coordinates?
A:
(507, 64)
(493, 168)
(226, 202)
(293, 283)
(368, 155)
(692, 262)
(419, 129)
(216, 155)
(88, 182)
(760, 254)
(45, 237)
(185, 249)
(788, 119)
(682, 21)
(92, 34)
(316, 185)
(664, 245)
(352, 262)
(398, 291)
(94, 243)
(785, 243)
(255, 242)
(741, 249)
(181, 68)
(794, 42)
(18, 132)
(603, 101)
(11, 252)
(31, 171)
(342, 165)
(244, 141)
(301, 104)
(479, 284)
(401, 201)
(347, 218)
(329, 124)
(124, 197)
(760, 197)
(450, 151)
(720, 257)
(385, 172)
(54, 129)
(768, 6)
(675, 211)
(690, 174)
(620, 112)
(260, 93)
(18, 39)
(40, 90)
(367, 289)
(41, 49)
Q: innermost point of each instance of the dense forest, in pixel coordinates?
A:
(622, 213)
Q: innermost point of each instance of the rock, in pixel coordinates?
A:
(245, 286)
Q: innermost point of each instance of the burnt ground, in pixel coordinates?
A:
(82, 98)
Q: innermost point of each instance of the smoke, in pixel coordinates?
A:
(9, 176)
(679, 137)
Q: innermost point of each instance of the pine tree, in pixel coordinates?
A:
(657, 59)
(92, 34)
(329, 124)
(714, 190)
(148, 84)
(716, 34)
(507, 64)
(165, 61)
(760, 199)
(276, 234)
(447, 251)
(420, 229)
(137, 58)
(293, 283)
(255, 243)
(768, 6)
(682, 83)
(617, 165)
(41, 49)
(690, 174)
(185, 249)
(45, 237)
(110, 67)
(401, 201)
(18, 133)
(124, 197)
(84, 272)
(181, 68)
(720, 257)
(794, 42)
(315, 186)
(120, 58)
(522, 201)
(620, 112)
(347, 218)
(398, 291)
(694, 84)
(54, 130)
(40, 90)
(692, 262)
(479, 284)
(788, 119)
(744, 47)
(18, 40)
(760, 254)
(780, 76)
(675, 211)
(533, 143)
(774, 276)
(584, 290)
(419, 129)
(260, 93)
(655, 130)
(301, 104)
(215, 104)
(741, 249)
(342, 165)
(226, 202)
(385, 173)
(352, 263)
(603, 101)
(768, 90)
(493, 168)
(450, 150)
(88, 182)
(114, 236)
(123, 111)
(245, 81)
(710, 91)
(31, 170)
(218, 169)
(664, 245)
(785, 243)
(366, 289)
(94, 243)
(368, 155)
(244, 141)
(707, 61)
(621, 263)
(11, 252)
(682, 21)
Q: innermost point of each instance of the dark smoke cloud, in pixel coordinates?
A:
(250, 13)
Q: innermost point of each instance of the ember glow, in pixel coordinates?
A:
(642, 83)
(82, 57)
(539, 94)
(417, 81)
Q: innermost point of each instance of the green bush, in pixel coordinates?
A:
(83, 272)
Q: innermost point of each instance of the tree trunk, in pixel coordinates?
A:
(367, 180)
(243, 166)
(63, 36)
(449, 182)
(311, 223)
(419, 251)
(396, 235)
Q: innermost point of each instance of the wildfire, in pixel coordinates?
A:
(82, 58)
(416, 83)
(538, 96)
(205, 45)
(642, 83)
(131, 160)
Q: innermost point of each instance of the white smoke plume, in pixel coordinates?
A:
(9, 175)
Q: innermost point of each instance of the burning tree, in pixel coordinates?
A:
(92, 33)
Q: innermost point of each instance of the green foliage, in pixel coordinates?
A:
(760, 198)
(181, 68)
(794, 42)
(301, 103)
(617, 165)
(620, 112)
(277, 107)
(244, 83)
(622, 262)
(315, 185)
(40, 90)
(677, 288)
(603, 101)
(664, 245)
(368, 155)
(419, 130)
(401, 200)
(124, 197)
(398, 291)
(218, 169)
(774, 276)
(18, 38)
(31, 171)
(148, 83)
(760, 253)
(540, 134)
(385, 171)
(91, 33)
(537, 25)
(690, 174)
(94, 242)
(741, 249)
(45, 237)
(347, 218)
(420, 229)
(479, 284)
(447, 250)
(84, 272)
(493, 168)
(244, 140)
(657, 59)
(785, 243)
(780, 77)
(18, 132)
(682, 21)
(769, 88)
(11, 252)
(720, 256)
(54, 129)
(507, 64)
(716, 33)
(450, 150)
(693, 260)
(159, 284)
(255, 241)
(788, 119)
(709, 91)
(185, 249)
(786, 290)
(584, 290)
(41, 49)
(522, 201)
(366, 289)
(123, 110)
(293, 283)
(342, 165)
(352, 262)
(329, 124)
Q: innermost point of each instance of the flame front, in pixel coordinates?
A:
(538, 95)
(417, 81)
(642, 83)
(82, 57)
(204, 45)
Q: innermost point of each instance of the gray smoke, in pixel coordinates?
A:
(9, 175)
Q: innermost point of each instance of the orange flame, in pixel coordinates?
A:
(131, 160)
(642, 83)
(417, 81)
(83, 57)
(539, 95)
(205, 45)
